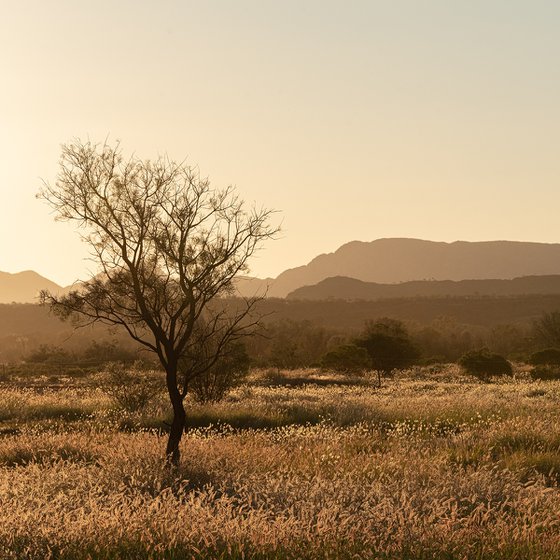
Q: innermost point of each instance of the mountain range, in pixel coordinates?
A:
(350, 289)
(393, 260)
(394, 265)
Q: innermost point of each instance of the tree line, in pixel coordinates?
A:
(290, 344)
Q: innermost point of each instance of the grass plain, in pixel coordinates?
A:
(432, 465)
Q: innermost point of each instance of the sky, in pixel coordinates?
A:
(354, 119)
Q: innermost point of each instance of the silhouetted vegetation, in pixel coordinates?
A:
(388, 345)
(49, 354)
(548, 356)
(101, 352)
(290, 344)
(284, 343)
(546, 373)
(484, 364)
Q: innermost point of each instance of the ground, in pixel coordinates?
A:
(433, 465)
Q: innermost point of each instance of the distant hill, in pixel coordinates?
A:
(24, 287)
(345, 288)
(401, 260)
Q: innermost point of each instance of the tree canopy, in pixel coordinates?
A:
(388, 345)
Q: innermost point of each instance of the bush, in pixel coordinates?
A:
(226, 374)
(102, 352)
(483, 364)
(347, 358)
(132, 388)
(549, 356)
(48, 354)
(545, 373)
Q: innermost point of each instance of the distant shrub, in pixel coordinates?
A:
(545, 373)
(48, 354)
(549, 356)
(226, 374)
(483, 364)
(290, 344)
(101, 352)
(131, 387)
(347, 358)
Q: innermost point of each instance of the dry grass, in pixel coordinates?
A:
(436, 468)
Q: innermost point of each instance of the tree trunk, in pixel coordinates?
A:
(173, 452)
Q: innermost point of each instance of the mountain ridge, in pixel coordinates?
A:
(351, 289)
(391, 260)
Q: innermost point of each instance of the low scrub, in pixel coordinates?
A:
(546, 373)
(546, 357)
(131, 388)
(484, 364)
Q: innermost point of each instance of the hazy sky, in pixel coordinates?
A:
(356, 119)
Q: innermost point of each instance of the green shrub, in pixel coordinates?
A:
(483, 364)
(548, 356)
(347, 358)
(545, 373)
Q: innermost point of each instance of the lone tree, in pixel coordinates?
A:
(388, 344)
(168, 246)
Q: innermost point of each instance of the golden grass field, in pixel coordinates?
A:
(433, 465)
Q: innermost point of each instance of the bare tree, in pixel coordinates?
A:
(168, 247)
